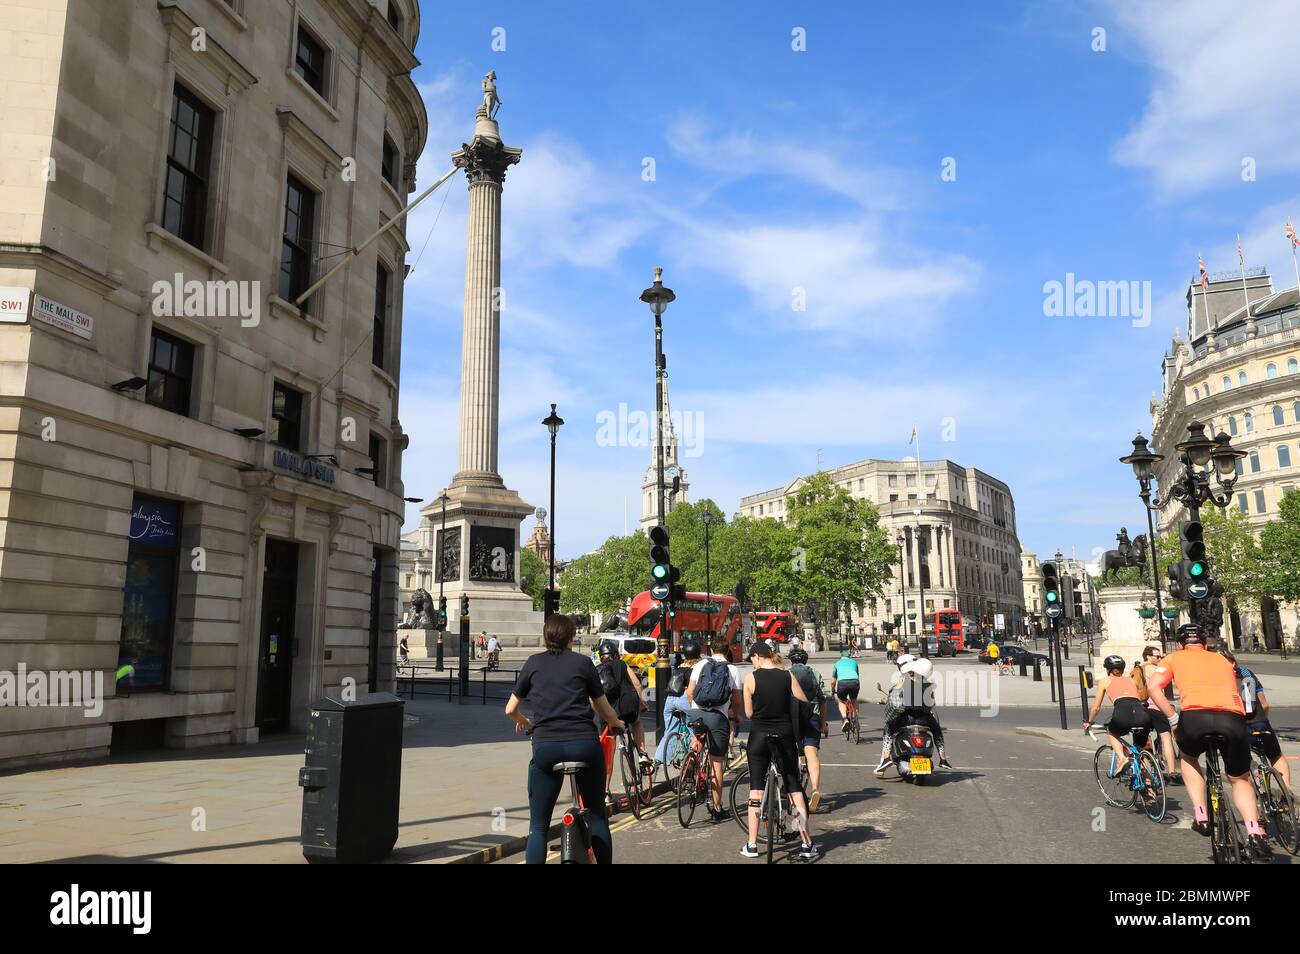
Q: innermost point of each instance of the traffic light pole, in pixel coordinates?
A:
(1145, 494)
(662, 669)
(463, 675)
(1059, 675)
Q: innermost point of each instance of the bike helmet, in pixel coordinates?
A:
(1113, 663)
(920, 667)
(798, 656)
(1189, 631)
(608, 648)
(904, 659)
(844, 653)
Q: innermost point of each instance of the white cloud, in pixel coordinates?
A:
(1222, 90)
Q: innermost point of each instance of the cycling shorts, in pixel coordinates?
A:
(1195, 724)
(1264, 740)
(847, 689)
(1130, 715)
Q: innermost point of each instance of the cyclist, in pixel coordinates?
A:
(1207, 687)
(769, 693)
(1151, 657)
(845, 684)
(494, 652)
(811, 714)
(1127, 712)
(677, 704)
(910, 698)
(892, 650)
(562, 689)
(1262, 737)
(623, 690)
(714, 693)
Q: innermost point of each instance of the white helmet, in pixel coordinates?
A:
(921, 667)
(904, 660)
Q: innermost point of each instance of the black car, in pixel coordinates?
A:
(1013, 652)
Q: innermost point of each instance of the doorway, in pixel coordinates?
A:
(277, 649)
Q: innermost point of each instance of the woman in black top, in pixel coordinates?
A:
(562, 688)
(770, 694)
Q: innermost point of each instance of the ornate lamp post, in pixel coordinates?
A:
(1190, 488)
(658, 298)
(921, 556)
(552, 422)
(902, 587)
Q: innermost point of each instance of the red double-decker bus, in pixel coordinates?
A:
(777, 626)
(698, 617)
(948, 625)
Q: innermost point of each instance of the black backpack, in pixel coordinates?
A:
(616, 682)
(714, 685)
(677, 683)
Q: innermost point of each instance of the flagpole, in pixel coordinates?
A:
(1205, 281)
(1294, 264)
(1241, 259)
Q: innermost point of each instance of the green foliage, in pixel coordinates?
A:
(1279, 545)
(533, 571)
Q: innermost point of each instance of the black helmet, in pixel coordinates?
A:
(1189, 631)
(1113, 663)
(608, 648)
(798, 656)
(691, 649)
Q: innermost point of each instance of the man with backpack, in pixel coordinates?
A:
(811, 717)
(714, 692)
(623, 690)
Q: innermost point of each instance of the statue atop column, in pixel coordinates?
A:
(491, 102)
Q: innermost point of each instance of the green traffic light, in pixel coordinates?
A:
(1050, 596)
(1197, 569)
(659, 571)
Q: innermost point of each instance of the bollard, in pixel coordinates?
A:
(1023, 664)
(1038, 670)
(1085, 683)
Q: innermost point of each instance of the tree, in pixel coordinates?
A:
(843, 555)
(605, 579)
(533, 571)
(1279, 544)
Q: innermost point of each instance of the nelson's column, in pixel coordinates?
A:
(478, 553)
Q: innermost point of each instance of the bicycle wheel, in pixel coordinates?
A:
(1116, 789)
(687, 790)
(770, 812)
(631, 774)
(740, 804)
(647, 769)
(1278, 809)
(1151, 794)
(1225, 837)
(675, 753)
(855, 728)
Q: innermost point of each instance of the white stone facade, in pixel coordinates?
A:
(84, 466)
(967, 523)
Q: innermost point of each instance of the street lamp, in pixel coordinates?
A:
(552, 423)
(902, 586)
(707, 519)
(658, 298)
(920, 582)
(442, 543)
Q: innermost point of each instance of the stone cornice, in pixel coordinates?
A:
(44, 256)
(308, 140)
(216, 58)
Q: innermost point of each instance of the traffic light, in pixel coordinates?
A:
(660, 569)
(1195, 568)
(1051, 590)
(550, 603)
(464, 604)
(442, 612)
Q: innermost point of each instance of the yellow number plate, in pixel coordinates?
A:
(920, 766)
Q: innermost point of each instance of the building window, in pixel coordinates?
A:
(1254, 462)
(299, 226)
(1249, 418)
(1271, 370)
(1241, 469)
(1292, 366)
(911, 480)
(171, 371)
(1241, 378)
(394, 17)
(1283, 456)
(388, 163)
(1278, 419)
(1196, 394)
(309, 62)
(1259, 501)
(1295, 411)
(286, 417)
(377, 350)
(1227, 383)
(378, 455)
(149, 595)
(189, 157)
(1232, 424)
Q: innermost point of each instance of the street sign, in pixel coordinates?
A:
(1053, 611)
(999, 622)
(1198, 589)
(660, 590)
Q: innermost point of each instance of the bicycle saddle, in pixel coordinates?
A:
(569, 768)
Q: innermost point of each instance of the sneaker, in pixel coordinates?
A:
(749, 851)
(943, 760)
(808, 852)
(1259, 847)
(879, 770)
(814, 801)
(719, 814)
(1201, 827)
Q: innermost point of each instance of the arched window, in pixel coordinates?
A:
(1271, 370)
(1292, 366)
(1196, 394)
(1241, 378)
(1232, 425)
(1240, 467)
(1283, 455)
(1254, 462)
(1227, 383)
(1278, 419)
(1250, 422)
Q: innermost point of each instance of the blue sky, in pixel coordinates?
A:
(777, 171)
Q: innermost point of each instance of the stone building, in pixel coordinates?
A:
(1237, 371)
(672, 472)
(963, 519)
(200, 481)
(1031, 575)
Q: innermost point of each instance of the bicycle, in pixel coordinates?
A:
(636, 771)
(1137, 782)
(694, 781)
(1276, 803)
(575, 829)
(852, 727)
(776, 813)
(677, 745)
(1227, 843)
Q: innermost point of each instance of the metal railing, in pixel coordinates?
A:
(426, 680)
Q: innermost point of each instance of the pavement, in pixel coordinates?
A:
(1020, 786)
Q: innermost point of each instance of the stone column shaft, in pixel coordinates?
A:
(480, 362)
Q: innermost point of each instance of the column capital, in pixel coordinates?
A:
(485, 160)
